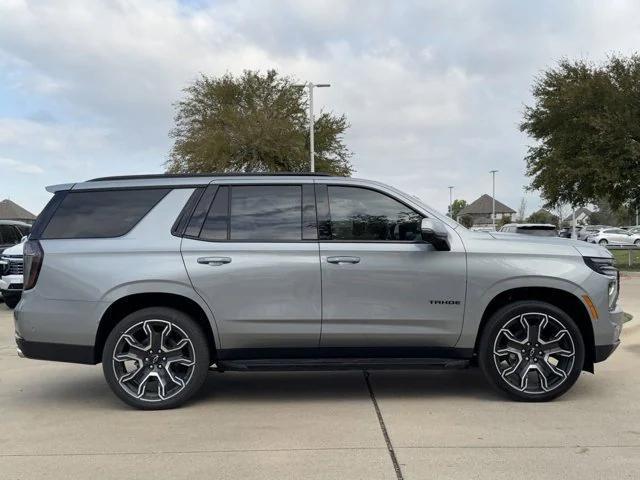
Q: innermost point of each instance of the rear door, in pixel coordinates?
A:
(252, 253)
(382, 286)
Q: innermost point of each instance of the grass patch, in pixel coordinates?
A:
(621, 259)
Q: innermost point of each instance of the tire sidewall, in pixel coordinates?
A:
(192, 330)
(499, 319)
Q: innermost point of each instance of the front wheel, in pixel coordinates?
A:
(155, 358)
(603, 242)
(637, 243)
(531, 350)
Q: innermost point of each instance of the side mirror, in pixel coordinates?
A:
(435, 233)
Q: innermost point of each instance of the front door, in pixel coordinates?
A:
(255, 261)
(382, 286)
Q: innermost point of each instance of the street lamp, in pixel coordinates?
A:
(493, 198)
(311, 86)
(451, 187)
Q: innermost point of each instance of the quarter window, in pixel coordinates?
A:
(101, 214)
(365, 215)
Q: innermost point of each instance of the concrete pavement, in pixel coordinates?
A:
(61, 421)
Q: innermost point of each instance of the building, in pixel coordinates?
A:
(583, 217)
(481, 209)
(12, 211)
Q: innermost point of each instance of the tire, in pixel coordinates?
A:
(637, 243)
(546, 375)
(11, 301)
(603, 242)
(164, 379)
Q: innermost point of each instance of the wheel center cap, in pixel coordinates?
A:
(155, 359)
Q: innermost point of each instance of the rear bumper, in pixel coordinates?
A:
(57, 352)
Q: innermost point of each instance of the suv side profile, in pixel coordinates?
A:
(301, 272)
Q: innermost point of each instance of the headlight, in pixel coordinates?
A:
(604, 266)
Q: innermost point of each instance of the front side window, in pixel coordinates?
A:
(101, 214)
(361, 214)
(9, 235)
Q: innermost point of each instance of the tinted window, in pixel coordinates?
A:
(362, 214)
(266, 212)
(103, 214)
(216, 225)
(9, 235)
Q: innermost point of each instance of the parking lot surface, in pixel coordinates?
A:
(60, 421)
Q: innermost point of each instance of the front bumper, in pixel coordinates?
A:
(607, 334)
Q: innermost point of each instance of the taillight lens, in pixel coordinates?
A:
(33, 257)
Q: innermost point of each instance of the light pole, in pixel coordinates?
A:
(451, 200)
(493, 198)
(311, 86)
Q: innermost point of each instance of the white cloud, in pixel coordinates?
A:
(19, 167)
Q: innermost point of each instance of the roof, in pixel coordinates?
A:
(12, 211)
(212, 174)
(580, 211)
(484, 206)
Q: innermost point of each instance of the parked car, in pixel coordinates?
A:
(590, 229)
(566, 232)
(635, 230)
(161, 278)
(539, 229)
(11, 274)
(11, 232)
(614, 236)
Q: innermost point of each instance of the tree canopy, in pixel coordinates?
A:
(253, 123)
(456, 206)
(586, 121)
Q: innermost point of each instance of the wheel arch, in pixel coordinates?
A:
(127, 304)
(564, 300)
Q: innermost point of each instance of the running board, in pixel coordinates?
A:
(302, 364)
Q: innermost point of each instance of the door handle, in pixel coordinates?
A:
(214, 261)
(343, 260)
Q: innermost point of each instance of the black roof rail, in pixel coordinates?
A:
(212, 174)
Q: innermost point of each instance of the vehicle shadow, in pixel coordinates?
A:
(340, 386)
(88, 390)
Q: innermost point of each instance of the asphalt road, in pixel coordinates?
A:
(60, 421)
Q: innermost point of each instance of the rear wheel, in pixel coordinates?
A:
(155, 358)
(637, 243)
(531, 350)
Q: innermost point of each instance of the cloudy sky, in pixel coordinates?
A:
(434, 90)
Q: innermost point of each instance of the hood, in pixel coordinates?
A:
(15, 250)
(585, 249)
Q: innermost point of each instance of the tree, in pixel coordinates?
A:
(542, 216)
(456, 206)
(586, 121)
(467, 221)
(253, 123)
(503, 221)
(522, 209)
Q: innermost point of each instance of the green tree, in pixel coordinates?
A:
(467, 221)
(542, 216)
(503, 221)
(586, 121)
(253, 123)
(456, 206)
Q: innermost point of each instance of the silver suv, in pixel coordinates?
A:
(162, 278)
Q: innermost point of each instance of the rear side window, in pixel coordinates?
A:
(101, 214)
(266, 213)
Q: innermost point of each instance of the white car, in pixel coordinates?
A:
(11, 279)
(614, 236)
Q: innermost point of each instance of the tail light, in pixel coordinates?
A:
(33, 257)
